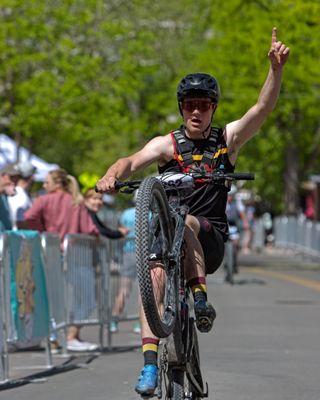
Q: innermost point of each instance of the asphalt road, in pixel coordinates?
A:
(265, 345)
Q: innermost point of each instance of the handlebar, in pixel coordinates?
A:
(176, 180)
(132, 184)
(240, 176)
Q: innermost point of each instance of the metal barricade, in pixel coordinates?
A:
(55, 280)
(86, 272)
(4, 302)
(11, 334)
(23, 295)
(298, 234)
(291, 232)
(123, 284)
(94, 278)
(84, 283)
(316, 237)
(258, 235)
(115, 262)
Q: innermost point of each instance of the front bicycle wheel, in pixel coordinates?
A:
(157, 278)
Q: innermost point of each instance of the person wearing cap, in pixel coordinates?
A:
(9, 175)
(21, 201)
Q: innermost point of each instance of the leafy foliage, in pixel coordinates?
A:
(84, 83)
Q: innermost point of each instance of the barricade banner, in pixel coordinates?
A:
(1, 322)
(29, 301)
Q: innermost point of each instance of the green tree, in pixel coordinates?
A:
(83, 83)
(237, 54)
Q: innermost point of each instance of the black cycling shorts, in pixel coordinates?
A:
(212, 244)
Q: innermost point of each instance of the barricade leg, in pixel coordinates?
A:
(48, 353)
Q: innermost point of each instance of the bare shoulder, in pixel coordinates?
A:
(167, 149)
(163, 146)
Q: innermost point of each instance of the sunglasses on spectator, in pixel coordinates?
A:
(200, 105)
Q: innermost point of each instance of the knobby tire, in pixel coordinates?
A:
(154, 234)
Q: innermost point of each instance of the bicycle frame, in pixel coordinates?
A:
(179, 352)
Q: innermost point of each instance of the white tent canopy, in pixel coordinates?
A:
(8, 154)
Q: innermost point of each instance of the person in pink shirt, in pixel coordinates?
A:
(62, 211)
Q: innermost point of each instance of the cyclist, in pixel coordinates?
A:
(196, 144)
(237, 218)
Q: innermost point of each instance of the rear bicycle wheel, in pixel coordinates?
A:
(177, 385)
(157, 278)
(195, 387)
(185, 380)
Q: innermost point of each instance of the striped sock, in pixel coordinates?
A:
(199, 288)
(150, 350)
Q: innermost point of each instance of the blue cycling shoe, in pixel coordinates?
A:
(148, 380)
(205, 315)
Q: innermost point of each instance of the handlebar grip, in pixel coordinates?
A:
(118, 185)
(242, 176)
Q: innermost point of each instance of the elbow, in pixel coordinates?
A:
(264, 108)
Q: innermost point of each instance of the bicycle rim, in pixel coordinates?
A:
(157, 279)
(179, 387)
(176, 385)
(195, 381)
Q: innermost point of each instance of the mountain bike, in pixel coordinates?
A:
(166, 300)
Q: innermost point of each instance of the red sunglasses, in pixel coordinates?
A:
(200, 105)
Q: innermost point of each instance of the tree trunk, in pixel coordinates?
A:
(17, 139)
(291, 181)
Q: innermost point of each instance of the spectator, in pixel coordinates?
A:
(21, 202)
(248, 234)
(9, 176)
(267, 221)
(93, 202)
(310, 200)
(128, 270)
(62, 211)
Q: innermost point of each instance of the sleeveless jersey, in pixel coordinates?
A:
(207, 201)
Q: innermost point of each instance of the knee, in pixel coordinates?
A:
(193, 223)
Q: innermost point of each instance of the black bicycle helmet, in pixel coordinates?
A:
(198, 85)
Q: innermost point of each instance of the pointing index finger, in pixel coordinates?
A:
(274, 36)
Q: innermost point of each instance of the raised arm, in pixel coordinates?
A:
(155, 150)
(238, 132)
